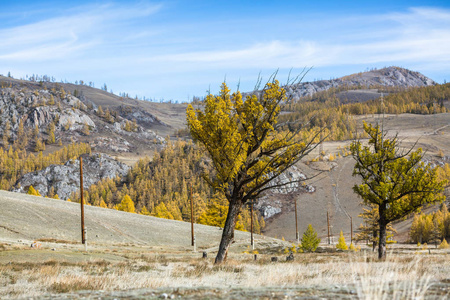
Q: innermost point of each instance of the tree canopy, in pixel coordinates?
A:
(246, 145)
(397, 182)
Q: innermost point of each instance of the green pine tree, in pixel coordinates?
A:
(310, 241)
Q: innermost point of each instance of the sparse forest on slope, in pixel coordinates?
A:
(325, 109)
(15, 163)
(161, 187)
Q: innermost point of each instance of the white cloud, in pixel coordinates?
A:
(416, 36)
(67, 36)
(106, 43)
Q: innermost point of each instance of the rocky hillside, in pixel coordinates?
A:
(65, 179)
(387, 77)
(59, 114)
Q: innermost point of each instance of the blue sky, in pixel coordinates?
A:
(177, 49)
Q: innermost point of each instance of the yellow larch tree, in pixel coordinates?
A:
(247, 146)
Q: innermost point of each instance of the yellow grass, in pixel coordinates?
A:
(402, 276)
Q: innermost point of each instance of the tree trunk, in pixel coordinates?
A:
(228, 230)
(382, 239)
(374, 241)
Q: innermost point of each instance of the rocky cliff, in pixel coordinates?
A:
(65, 179)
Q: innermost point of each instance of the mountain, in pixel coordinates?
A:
(65, 179)
(386, 77)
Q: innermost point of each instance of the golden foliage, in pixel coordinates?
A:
(15, 163)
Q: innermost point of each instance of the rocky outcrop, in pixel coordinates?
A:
(292, 180)
(142, 117)
(39, 105)
(65, 179)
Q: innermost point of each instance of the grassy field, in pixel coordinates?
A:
(132, 256)
(131, 271)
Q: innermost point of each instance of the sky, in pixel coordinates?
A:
(174, 50)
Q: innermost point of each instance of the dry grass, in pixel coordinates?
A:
(400, 277)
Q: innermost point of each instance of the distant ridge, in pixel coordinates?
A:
(390, 76)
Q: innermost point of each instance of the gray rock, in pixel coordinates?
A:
(65, 179)
(292, 180)
(269, 211)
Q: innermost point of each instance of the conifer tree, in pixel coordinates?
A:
(33, 191)
(310, 241)
(39, 145)
(126, 205)
(51, 133)
(341, 242)
(246, 150)
(397, 183)
(103, 204)
(145, 212)
(86, 130)
(443, 244)
(369, 231)
(161, 211)
(22, 138)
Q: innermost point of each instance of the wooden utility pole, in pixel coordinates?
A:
(328, 225)
(296, 222)
(351, 230)
(83, 230)
(251, 225)
(192, 216)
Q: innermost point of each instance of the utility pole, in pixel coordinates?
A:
(328, 225)
(83, 229)
(192, 216)
(351, 230)
(251, 225)
(296, 222)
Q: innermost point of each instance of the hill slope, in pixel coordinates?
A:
(28, 218)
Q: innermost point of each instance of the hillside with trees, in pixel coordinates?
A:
(39, 117)
(161, 187)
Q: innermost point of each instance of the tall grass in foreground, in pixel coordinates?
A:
(399, 277)
(392, 279)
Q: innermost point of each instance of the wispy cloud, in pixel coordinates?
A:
(163, 53)
(416, 36)
(72, 35)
